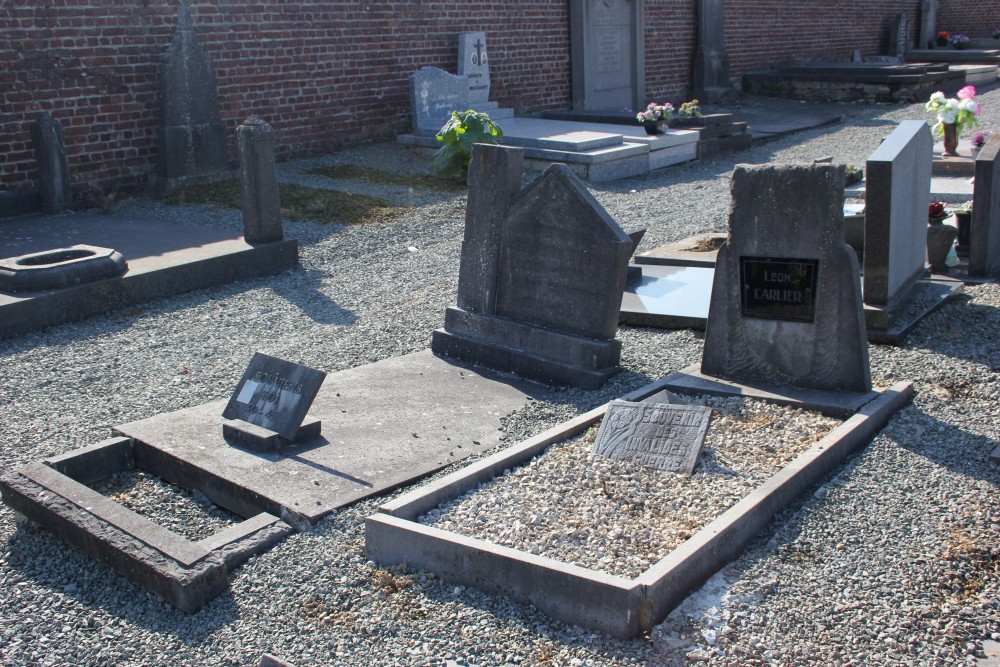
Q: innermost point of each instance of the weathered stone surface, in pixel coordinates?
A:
(664, 435)
(434, 94)
(258, 182)
(984, 234)
(711, 80)
(898, 174)
(191, 137)
(788, 217)
(60, 268)
(473, 63)
(53, 168)
(607, 53)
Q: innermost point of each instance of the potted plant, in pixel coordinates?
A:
(954, 116)
(655, 116)
(940, 237)
(943, 38)
(959, 41)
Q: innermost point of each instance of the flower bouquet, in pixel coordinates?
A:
(954, 115)
(937, 213)
(980, 137)
(959, 41)
(654, 115)
(943, 38)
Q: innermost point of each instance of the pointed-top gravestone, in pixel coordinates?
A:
(786, 305)
(191, 137)
(53, 168)
(541, 277)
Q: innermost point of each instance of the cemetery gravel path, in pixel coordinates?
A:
(891, 561)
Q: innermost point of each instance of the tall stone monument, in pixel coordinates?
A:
(258, 182)
(928, 23)
(541, 277)
(786, 305)
(607, 54)
(191, 137)
(473, 63)
(53, 168)
(711, 81)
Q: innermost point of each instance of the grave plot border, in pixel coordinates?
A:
(618, 606)
(53, 493)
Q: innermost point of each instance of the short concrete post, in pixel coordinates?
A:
(261, 205)
(53, 169)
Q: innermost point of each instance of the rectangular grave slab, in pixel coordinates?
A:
(663, 435)
(621, 607)
(186, 574)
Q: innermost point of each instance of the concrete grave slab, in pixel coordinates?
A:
(594, 600)
(163, 259)
(385, 425)
(672, 297)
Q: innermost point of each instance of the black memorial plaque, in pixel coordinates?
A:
(665, 436)
(274, 394)
(778, 289)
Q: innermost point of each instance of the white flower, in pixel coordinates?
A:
(947, 116)
(971, 106)
(952, 104)
(938, 97)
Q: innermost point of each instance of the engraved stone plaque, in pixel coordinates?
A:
(274, 394)
(778, 289)
(662, 435)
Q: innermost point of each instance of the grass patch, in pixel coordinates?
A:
(379, 177)
(298, 203)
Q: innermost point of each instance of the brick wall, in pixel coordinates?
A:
(328, 73)
(975, 19)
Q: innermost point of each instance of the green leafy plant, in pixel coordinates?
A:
(458, 135)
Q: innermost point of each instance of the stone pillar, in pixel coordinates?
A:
(928, 24)
(259, 183)
(53, 169)
(711, 60)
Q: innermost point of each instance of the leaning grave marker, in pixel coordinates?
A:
(663, 435)
(625, 607)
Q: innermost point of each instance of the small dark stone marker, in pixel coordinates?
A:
(53, 169)
(258, 181)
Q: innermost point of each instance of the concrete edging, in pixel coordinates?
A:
(620, 607)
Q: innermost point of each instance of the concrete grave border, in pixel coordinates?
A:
(621, 607)
(187, 574)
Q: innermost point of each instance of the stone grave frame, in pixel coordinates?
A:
(607, 54)
(621, 607)
(54, 493)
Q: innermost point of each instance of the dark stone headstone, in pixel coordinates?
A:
(434, 94)
(274, 394)
(898, 176)
(711, 80)
(473, 63)
(259, 183)
(899, 35)
(984, 232)
(607, 54)
(786, 303)
(541, 277)
(663, 435)
(191, 137)
(53, 169)
(928, 23)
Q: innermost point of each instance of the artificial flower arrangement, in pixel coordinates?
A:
(690, 109)
(959, 41)
(943, 38)
(655, 112)
(962, 112)
(980, 137)
(936, 211)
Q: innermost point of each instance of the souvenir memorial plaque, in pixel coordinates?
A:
(662, 435)
(778, 289)
(275, 395)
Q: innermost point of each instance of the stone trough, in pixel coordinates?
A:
(61, 267)
(621, 607)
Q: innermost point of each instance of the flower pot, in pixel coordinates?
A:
(964, 221)
(939, 240)
(950, 138)
(942, 41)
(653, 126)
(961, 45)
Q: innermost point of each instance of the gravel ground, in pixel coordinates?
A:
(892, 561)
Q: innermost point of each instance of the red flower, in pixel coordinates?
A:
(936, 209)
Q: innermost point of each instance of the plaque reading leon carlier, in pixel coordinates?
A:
(662, 435)
(275, 395)
(778, 289)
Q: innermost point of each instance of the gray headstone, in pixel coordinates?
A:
(258, 181)
(274, 394)
(434, 94)
(928, 23)
(473, 62)
(541, 278)
(191, 137)
(984, 234)
(786, 301)
(898, 176)
(665, 436)
(607, 54)
(711, 80)
(53, 168)
(899, 35)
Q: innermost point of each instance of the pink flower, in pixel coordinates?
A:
(967, 93)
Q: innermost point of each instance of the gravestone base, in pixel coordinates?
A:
(251, 436)
(892, 323)
(526, 350)
(963, 164)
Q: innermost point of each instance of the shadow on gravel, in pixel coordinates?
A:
(950, 446)
(963, 330)
(67, 572)
(307, 296)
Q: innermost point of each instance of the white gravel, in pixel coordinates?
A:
(891, 562)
